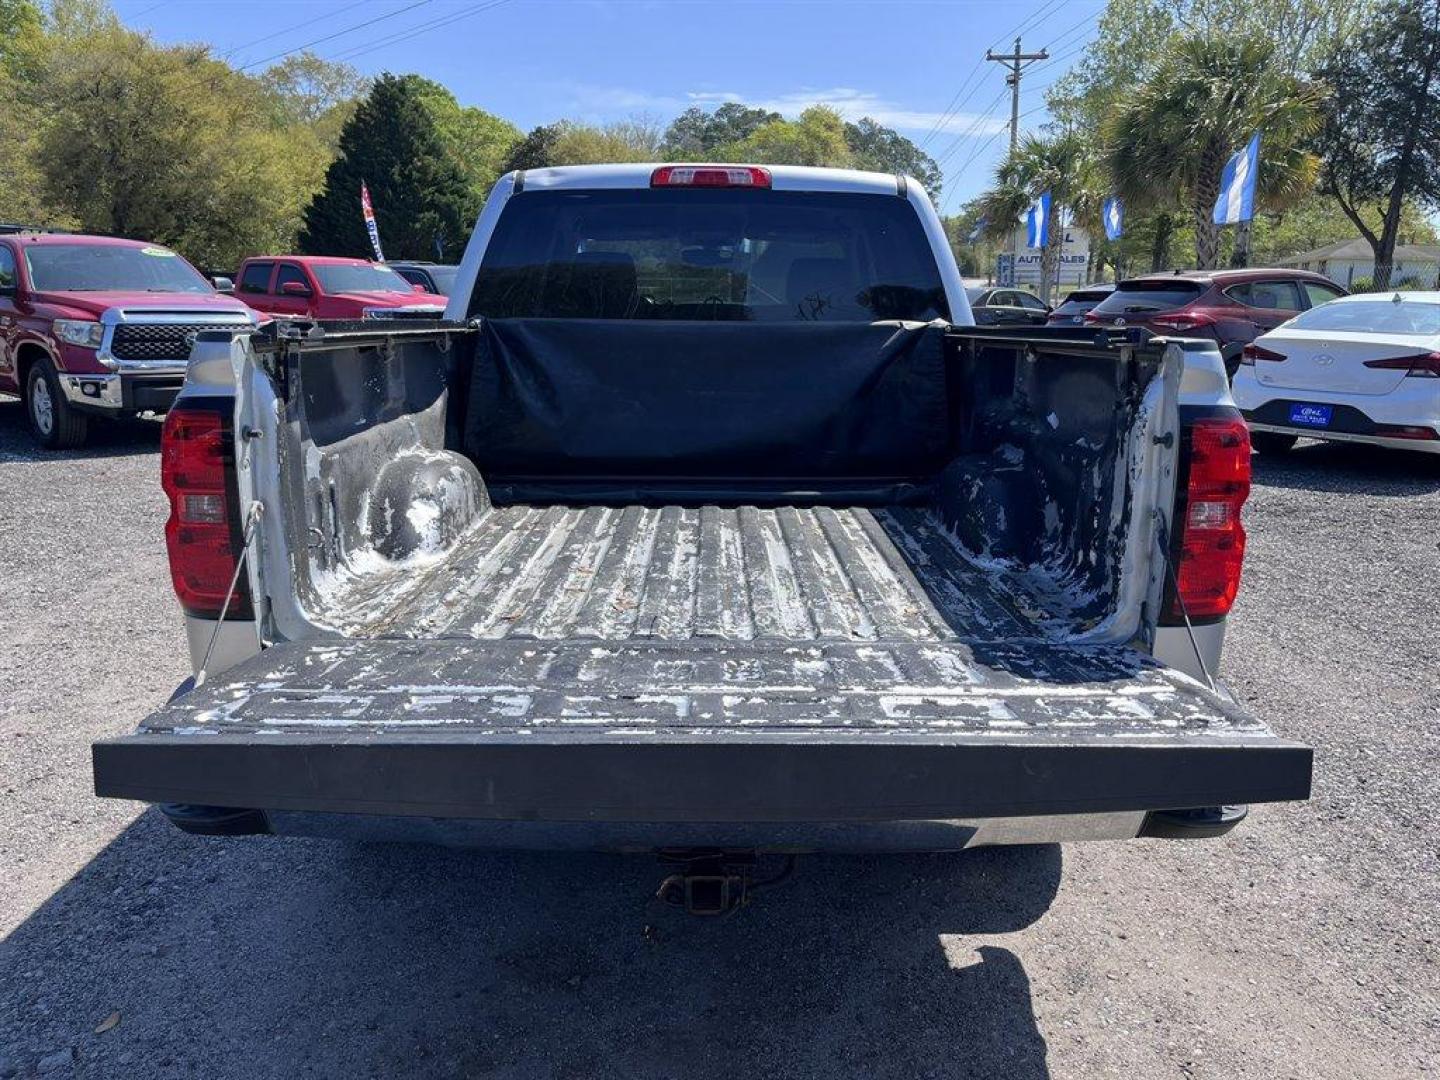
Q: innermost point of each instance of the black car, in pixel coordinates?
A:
(1006, 307)
(1071, 311)
(437, 278)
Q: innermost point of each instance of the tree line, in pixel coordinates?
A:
(1344, 93)
(104, 130)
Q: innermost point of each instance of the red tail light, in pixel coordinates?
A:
(203, 533)
(1209, 541)
(1253, 352)
(1417, 365)
(1182, 321)
(727, 176)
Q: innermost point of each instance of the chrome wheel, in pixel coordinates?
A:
(42, 406)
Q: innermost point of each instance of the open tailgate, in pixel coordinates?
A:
(700, 731)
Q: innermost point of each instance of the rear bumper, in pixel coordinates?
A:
(1424, 446)
(1407, 419)
(775, 781)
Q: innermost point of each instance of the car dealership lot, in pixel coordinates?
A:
(1305, 944)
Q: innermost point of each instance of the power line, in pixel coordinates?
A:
(1088, 20)
(975, 125)
(369, 47)
(291, 29)
(338, 33)
(969, 160)
(952, 108)
(1033, 21)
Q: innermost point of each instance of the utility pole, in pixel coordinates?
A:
(1016, 62)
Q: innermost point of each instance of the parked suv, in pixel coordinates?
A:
(326, 287)
(95, 326)
(1231, 307)
(436, 278)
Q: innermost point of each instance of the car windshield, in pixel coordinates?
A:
(975, 294)
(696, 254)
(1131, 297)
(110, 268)
(1421, 318)
(359, 277)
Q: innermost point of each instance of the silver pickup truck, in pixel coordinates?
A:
(706, 520)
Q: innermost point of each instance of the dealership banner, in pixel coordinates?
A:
(370, 226)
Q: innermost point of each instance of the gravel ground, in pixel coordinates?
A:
(1303, 945)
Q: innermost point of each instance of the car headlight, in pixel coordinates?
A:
(79, 332)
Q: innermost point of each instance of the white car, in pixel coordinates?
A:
(1358, 369)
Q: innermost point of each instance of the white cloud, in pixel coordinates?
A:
(850, 103)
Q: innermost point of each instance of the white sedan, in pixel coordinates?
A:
(1358, 369)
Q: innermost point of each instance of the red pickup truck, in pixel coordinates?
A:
(95, 326)
(327, 287)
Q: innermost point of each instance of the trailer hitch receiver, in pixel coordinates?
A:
(714, 882)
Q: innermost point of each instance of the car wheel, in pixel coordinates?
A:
(55, 425)
(1272, 442)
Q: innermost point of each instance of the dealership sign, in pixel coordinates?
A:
(1074, 258)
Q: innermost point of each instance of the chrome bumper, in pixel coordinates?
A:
(97, 391)
(108, 392)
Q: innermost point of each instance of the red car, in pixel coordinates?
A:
(1231, 307)
(327, 287)
(98, 327)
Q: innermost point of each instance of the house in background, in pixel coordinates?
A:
(1417, 266)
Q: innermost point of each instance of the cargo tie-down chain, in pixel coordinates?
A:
(247, 537)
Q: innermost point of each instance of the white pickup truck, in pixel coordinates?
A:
(706, 520)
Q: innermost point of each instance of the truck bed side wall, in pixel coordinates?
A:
(1022, 453)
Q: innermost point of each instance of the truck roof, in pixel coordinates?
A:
(782, 177)
(45, 238)
(313, 260)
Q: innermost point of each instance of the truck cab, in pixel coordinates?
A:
(96, 327)
(327, 287)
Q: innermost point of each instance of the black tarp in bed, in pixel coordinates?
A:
(577, 399)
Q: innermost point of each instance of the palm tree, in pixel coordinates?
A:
(1167, 144)
(1065, 166)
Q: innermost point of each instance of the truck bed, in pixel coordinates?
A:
(677, 573)
(702, 664)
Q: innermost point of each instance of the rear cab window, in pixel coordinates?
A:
(689, 254)
(255, 278)
(1135, 297)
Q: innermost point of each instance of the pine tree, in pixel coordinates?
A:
(393, 145)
